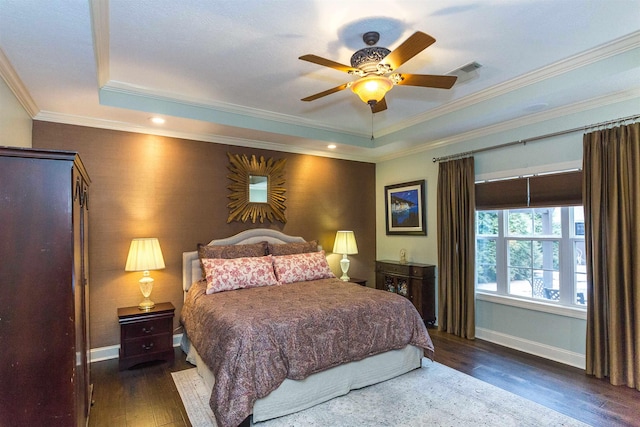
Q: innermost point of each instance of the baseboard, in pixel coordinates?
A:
(111, 352)
(104, 353)
(537, 349)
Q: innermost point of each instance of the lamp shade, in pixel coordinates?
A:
(144, 254)
(372, 88)
(345, 243)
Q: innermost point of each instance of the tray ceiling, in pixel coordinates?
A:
(228, 71)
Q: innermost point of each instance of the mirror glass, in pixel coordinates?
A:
(258, 188)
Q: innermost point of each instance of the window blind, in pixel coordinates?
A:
(561, 189)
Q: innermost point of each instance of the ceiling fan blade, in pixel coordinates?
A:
(412, 46)
(379, 106)
(327, 63)
(428, 80)
(325, 93)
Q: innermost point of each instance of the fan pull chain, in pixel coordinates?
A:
(372, 125)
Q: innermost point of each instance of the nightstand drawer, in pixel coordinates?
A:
(147, 345)
(146, 328)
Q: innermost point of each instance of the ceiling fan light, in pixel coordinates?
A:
(372, 88)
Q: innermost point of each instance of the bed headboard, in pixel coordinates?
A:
(191, 269)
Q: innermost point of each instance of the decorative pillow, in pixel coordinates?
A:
(278, 249)
(301, 267)
(231, 251)
(238, 273)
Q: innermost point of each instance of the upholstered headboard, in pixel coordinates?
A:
(192, 270)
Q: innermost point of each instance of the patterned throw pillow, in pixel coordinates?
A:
(277, 249)
(231, 251)
(238, 273)
(302, 267)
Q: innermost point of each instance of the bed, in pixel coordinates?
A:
(268, 351)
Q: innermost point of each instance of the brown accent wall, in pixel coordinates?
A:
(176, 190)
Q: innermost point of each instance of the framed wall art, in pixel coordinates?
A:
(405, 211)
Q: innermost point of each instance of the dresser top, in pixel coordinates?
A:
(160, 308)
(411, 264)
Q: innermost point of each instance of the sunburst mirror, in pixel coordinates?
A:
(257, 189)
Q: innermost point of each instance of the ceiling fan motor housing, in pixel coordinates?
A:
(367, 58)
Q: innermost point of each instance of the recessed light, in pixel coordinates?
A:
(331, 146)
(157, 120)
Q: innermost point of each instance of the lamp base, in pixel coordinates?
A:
(146, 286)
(344, 266)
(146, 304)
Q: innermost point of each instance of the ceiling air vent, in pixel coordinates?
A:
(466, 72)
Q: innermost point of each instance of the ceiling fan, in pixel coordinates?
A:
(374, 66)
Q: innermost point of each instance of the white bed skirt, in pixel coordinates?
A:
(297, 395)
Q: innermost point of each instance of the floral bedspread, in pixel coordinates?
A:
(253, 339)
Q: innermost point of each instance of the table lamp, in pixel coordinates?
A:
(144, 255)
(345, 244)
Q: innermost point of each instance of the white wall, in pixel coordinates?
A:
(15, 122)
(557, 337)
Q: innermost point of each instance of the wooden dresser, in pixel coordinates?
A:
(414, 281)
(44, 289)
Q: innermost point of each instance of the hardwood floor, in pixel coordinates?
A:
(143, 396)
(146, 395)
(555, 385)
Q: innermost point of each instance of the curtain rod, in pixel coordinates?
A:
(535, 138)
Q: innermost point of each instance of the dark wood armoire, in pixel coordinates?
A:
(44, 289)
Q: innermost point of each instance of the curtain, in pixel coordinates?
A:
(611, 189)
(456, 247)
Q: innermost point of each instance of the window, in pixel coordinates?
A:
(532, 253)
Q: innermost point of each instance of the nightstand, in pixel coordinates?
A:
(146, 335)
(361, 282)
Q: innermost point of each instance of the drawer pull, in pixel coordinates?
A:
(147, 347)
(147, 331)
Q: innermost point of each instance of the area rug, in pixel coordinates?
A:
(435, 395)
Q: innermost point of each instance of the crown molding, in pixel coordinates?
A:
(615, 47)
(49, 116)
(100, 32)
(249, 143)
(127, 89)
(9, 75)
(519, 122)
(100, 25)
(596, 54)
